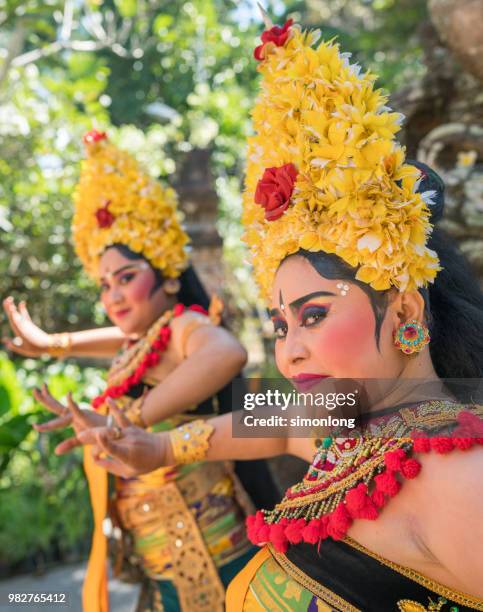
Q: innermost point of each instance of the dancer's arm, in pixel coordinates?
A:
(138, 451)
(209, 359)
(454, 486)
(31, 341)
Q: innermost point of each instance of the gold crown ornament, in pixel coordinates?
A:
(324, 171)
(117, 202)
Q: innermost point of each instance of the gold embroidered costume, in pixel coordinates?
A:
(312, 576)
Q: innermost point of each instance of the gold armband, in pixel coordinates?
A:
(59, 344)
(190, 442)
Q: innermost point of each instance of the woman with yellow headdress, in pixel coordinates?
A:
(340, 226)
(181, 527)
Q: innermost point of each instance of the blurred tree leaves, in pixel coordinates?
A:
(180, 72)
(382, 34)
(43, 498)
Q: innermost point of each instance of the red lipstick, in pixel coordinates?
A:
(304, 382)
(121, 313)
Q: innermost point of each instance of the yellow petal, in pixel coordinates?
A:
(309, 240)
(366, 274)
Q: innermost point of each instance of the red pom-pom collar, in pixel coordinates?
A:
(357, 502)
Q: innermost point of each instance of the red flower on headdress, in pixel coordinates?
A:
(104, 218)
(276, 35)
(94, 136)
(275, 189)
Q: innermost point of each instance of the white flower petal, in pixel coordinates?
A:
(312, 131)
(428, 197)
(369, 241)
(319, 162)
(355, 69)
(314, 37)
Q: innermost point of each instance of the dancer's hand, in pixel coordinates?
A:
(67, 415)
(130, 450)
(29, 340)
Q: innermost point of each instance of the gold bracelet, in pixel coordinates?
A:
(59, 344)
(190, 442)
(134, 413)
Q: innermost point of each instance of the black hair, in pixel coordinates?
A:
(456, 307)
(191, 290)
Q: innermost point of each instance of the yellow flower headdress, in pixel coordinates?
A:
(324, 170)
(117, 202)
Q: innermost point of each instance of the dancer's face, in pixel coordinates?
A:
(128, 294)
(325, 330)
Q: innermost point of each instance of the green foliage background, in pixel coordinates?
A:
(163, 78)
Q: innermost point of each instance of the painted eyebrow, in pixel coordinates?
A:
(119, 270)
(296, 304)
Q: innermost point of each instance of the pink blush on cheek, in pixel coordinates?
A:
(346, 342)
(139, 289)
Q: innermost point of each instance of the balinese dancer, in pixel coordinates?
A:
(362, 287)
(182, 527)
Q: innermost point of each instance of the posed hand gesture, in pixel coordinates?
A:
(29, 340)
(126, 450)
(67, 415)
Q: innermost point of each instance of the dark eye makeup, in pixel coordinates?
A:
(311, 314)
(279, 327)
(124, 279)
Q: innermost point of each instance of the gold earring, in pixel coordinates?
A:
(171, 286)
(411, 337)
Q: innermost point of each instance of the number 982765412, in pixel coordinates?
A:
(37, 598)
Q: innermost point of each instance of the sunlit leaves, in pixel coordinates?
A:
(126, 8)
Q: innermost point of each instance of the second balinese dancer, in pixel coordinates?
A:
(182, 527)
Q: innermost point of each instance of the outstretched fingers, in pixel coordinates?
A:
(22, 309)
(112, 465)
(119, 416)
(12, 314)
(44, 397)
(53, 424)
(67, 445)
(80, 416)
